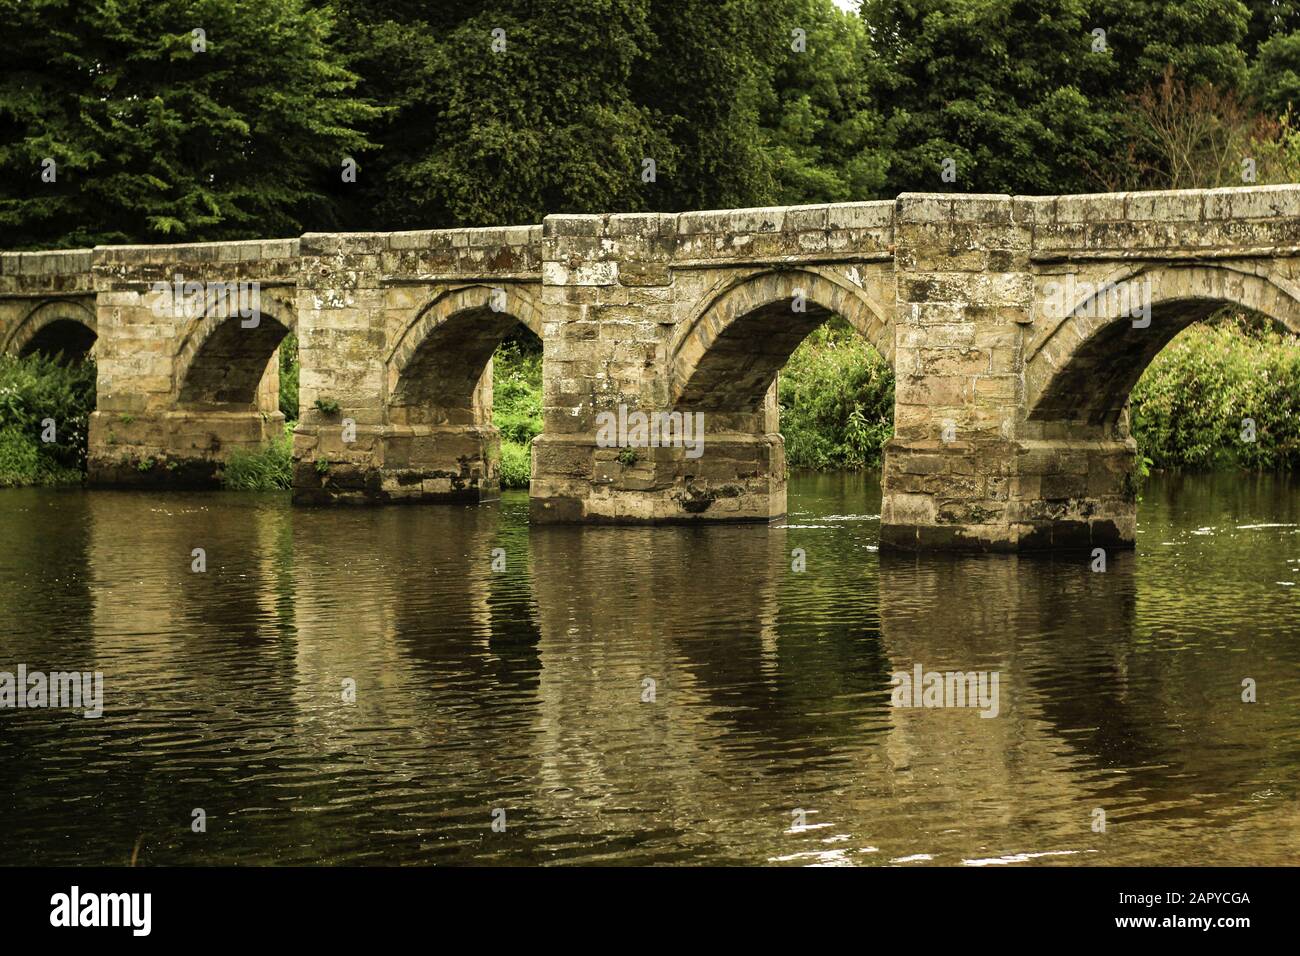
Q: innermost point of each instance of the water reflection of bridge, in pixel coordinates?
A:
(524, 689)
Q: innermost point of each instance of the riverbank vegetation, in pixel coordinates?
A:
(271, 468)
(837, 401)
(45, 406)
(1223, 394)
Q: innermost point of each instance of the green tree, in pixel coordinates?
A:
(161, 134)
(1024, 95)
(1201, 41)
(39, 393)
(837, 400)
(563, 118)
(1275, 75)
(394, 48)
(821, 131)
(522, 108)
(708, 66)
(996, 86)
(1270, 18)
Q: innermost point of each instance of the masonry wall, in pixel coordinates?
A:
(156, 423)
(964, 469)
(1011, 418)
(37, 288)
(634, 303)
(383, 313)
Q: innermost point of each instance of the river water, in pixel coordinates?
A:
(644, 695)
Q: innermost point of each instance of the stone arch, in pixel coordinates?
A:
(1084, 369)
(435, 368)
(727, 354)
(55, 325)
(222, 363)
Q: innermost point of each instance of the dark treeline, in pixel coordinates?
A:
(187, 120)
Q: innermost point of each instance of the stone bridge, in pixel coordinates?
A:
(1016, 327)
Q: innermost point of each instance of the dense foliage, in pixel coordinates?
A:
(43, 398)
(158, 134)
(485, 112)
(1221, 394)
(289, 377)
(269, 469)
(837, 401)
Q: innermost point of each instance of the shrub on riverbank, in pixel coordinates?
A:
(42, 396)
(1189, 407)
(837, 401)
(267, 469)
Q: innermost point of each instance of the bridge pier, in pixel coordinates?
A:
(393, 464)
(1016, 495)
(185, 379)
(966, 468)
(651, 315)
(182, 448)
(397, 333)
(740, 478)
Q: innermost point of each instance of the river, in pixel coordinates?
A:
(645, 695)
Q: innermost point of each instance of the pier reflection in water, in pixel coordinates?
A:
(639, 695)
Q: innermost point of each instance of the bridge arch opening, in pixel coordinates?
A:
(727, 356)
(65, 338)
(440, 371)
(1085, 370)
(727, 362)
(56, 329)
(443, 390)
(231, 363)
